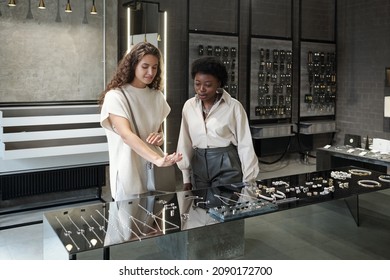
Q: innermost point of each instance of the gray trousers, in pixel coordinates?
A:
(216, 167)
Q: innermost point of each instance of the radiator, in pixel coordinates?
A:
(14, 186)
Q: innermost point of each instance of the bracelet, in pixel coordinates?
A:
(340, 175)
(272, 199)
(384, 178)
(369, 183)
(280, 183)
(279, 194)
(360, 172)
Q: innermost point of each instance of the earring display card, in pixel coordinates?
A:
(318, 79)
(271, 78)
(223, 47)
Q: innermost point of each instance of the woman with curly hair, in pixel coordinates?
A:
(135, 89)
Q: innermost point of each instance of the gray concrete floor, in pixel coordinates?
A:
(324, 231)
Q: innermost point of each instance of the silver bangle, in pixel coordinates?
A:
(279, 194)
(272, 199)
(384, 178)
(369, 183)
(360, 172)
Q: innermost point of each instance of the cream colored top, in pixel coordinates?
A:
(127, 168)
(226, 124)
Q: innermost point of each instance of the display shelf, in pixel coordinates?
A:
(271, 131)
(317, 127)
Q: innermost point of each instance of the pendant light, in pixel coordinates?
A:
(12, 3)
(68, 8)
(93, 9)
(42, 5)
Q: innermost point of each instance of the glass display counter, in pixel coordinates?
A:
(336, 156)
(71, 231)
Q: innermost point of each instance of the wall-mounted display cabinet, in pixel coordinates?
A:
(318, 79)
(287, 56)
(224, 47)
(271, 78)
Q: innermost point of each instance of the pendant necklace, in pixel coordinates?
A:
(207, 111)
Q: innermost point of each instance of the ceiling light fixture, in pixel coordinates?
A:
(93, 9)
(42, 5)
(68, 8)
(12, 3)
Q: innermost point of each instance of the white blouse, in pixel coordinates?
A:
(225, 124)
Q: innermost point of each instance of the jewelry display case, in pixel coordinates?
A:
(318, 71)
(318, 79)
(271, 79)
(225, 47)
(336, 156)
(72, 231)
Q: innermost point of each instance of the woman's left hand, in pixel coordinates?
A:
(155, 138)
(169, 160)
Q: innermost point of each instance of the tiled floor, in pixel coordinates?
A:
(322, 231)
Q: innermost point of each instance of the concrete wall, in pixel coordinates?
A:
(50, 55)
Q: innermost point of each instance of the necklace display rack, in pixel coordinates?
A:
(91, 228)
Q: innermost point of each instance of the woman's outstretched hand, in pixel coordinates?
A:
(169, 160)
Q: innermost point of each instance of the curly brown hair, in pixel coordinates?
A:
(125, 72)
